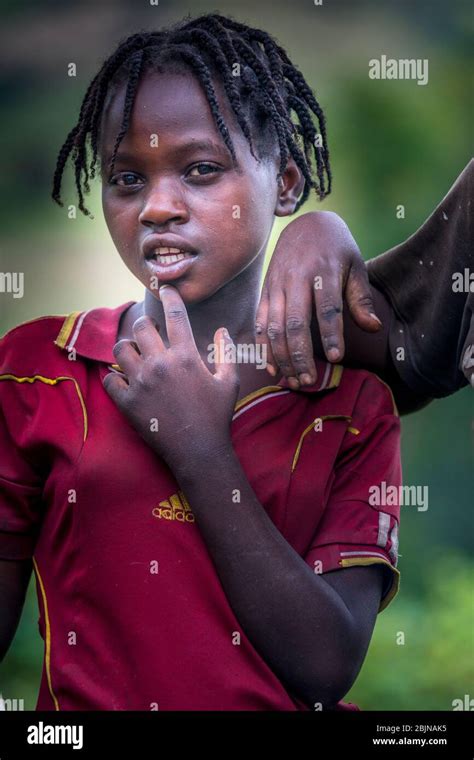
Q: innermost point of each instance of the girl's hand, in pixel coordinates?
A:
(169, 395)
(316, 259)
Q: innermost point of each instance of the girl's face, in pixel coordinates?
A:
(175, 185)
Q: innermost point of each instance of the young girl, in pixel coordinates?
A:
(200, 540)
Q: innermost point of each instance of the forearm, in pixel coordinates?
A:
(14, 579)
(296, 621)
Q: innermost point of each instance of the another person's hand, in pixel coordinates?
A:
(316, 261)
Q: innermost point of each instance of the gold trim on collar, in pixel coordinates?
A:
(334, 381)
(256, 394)
(335, 377)
(66, 329)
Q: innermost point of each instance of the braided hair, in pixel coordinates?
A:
(263, 96)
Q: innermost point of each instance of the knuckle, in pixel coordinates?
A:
(284, 363)
(108, 383)
(330, 310)
(365, 300)
(147, 377)
(298, 357)
(119, 347)
(274, 330)
(157, 369)
(177, 314)
(186, 361)
(141, 323)
(295, 323)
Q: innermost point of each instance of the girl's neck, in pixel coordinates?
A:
(234, 306)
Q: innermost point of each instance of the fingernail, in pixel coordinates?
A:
(258, 329)
(306, 379)
(271, 370)
(374, 316)
(333, 354)
(293, 383)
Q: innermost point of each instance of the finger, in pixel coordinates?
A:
(298, 334)
(328, 300)
(178, 326)
(262, 315)
(261, 337)
(359, 299)
(225, 368)
(148, 339)
(116, 387)
(276, 332)
(127, 356)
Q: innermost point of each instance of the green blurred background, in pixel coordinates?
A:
(392, 142)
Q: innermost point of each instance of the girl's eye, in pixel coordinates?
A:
(122, 179)
(212, 169)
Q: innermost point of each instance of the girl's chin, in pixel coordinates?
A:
(189, 293)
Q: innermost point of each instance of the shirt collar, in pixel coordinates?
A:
(93, 334)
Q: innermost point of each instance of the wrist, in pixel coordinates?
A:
(193, 462)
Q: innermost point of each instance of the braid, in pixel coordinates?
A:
(297, 78)
(270, 108)
(212, 45)
(108, 70)
(135, 68)
(308, 132)
(209, 45)
(61, 161)
(204, 75)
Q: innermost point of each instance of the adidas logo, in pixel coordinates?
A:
(176, 507)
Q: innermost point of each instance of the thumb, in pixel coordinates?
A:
(359, 299)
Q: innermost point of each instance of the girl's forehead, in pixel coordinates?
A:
(172, 107)
(163, 102)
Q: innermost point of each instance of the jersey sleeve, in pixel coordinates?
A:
(21, 486)
(360, 522)
(20, 500)
(427, 280)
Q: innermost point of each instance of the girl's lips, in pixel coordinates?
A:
(167, 272)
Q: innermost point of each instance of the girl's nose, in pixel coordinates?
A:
(164, 203)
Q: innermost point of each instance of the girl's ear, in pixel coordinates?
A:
(290, 187)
